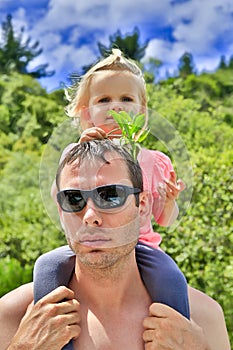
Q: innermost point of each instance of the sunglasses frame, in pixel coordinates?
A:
(93, 194)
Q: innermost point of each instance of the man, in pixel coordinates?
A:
(105, 305)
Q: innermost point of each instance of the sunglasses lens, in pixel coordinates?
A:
(110, 196)
(104, 197)
(71, 201)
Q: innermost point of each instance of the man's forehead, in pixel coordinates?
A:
(95, 170)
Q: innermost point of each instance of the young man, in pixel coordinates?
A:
(105, 305)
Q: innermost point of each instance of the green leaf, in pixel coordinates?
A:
(143, 136)
(132, 129)
(139, 120)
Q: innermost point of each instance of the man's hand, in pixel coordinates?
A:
(166, 329)
(49, 324)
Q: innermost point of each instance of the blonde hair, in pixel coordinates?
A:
(78, 96)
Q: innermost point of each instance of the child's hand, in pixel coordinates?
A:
(92, 134)
(173, 187)
(170, 189)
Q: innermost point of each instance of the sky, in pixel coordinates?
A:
(69, 30)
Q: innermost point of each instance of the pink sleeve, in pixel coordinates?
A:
(164, 162)
(156, 166)
(162, 167)
(162, 170)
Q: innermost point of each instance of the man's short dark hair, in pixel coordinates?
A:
(96, 149)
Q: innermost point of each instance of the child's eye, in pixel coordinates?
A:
(126, 99)
(104, 100)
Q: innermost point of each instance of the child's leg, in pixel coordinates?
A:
(164, 281)
(51, 270)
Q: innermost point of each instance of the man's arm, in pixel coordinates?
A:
(208, 314)
(13, 306)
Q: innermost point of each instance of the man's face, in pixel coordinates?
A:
(95, 234)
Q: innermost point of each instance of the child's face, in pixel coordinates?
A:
(113, 90)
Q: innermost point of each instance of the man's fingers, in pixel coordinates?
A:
(74, 330)
(72, 318)
(161, 310)
(149, 323)
(148, 335)
(66, 307)
(57, 295)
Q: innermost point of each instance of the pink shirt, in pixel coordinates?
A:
(155, 167)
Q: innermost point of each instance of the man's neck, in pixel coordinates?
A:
(114, 285)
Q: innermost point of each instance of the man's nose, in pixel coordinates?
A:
(91, 215)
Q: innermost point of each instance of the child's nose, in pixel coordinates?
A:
(117, 107)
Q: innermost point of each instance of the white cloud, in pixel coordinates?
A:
(207, 64)
(106, 16)
(200, 27)
(199, 23)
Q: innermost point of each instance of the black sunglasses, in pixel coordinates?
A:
(104, 197)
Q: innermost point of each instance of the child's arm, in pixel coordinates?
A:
(170, 192)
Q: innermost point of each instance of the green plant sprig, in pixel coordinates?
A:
(132, 129)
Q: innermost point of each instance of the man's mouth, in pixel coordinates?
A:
(94, 241)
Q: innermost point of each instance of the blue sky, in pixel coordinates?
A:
(68, 30)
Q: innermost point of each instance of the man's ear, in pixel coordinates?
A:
(85, 118)
(60, 216)
(145, 207)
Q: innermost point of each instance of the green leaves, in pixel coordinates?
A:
(133, 128)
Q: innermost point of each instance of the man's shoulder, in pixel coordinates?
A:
(16, 301)
(13, 307)
(208, 314)
(203, 306)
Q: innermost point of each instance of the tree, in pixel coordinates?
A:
(186, 65)
(25, 107)
(230, 64)
(16, 54)
(222, 63)
(128, 44)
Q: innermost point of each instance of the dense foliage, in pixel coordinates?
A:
(191, 120)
